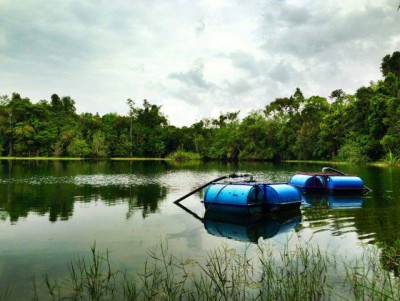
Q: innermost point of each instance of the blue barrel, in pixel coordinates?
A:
(344, 183)
(233, 194)
(307, 182)
(281, 194)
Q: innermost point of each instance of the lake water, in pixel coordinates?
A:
(51, 211)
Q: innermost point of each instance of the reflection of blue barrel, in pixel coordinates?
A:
(250, 228)
(345, 201)
(231, 231)
(334, 201)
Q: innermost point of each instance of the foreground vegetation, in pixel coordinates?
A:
(359, 127)
(299, 273)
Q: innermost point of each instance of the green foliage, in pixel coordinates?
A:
(78, 148)
(391, 159)
(258, 137)
(351, 151)
(181, 155)
(99, 145)
(391, 64)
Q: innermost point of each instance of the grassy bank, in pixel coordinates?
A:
(43, 158)
(188, 156)
(79, 159)
(140, 159)
(299, 273)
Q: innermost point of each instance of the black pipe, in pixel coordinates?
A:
(325, 169)
(209, 183)
(189, 211)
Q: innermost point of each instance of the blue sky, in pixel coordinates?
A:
(195, 58)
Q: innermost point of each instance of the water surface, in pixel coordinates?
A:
(51, 211)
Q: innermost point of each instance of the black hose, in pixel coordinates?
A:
(209, 183)
(325, 169)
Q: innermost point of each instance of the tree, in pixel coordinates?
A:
(99, 145)
(258, 136)
(132, 114)
(391, 64)
(78, 147)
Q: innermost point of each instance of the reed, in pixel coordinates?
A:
(296, 273)
(369, 280)
(6, 293)
(88, 279)
(391, 159)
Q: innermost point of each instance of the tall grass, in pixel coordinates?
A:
(6, 293)
(88, 279)
(299, 273)
(370, 280)
(391, 159)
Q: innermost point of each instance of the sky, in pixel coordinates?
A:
(196, 59)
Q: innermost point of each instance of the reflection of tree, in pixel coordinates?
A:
(20, 194)
(145, 197)
(3, 215)
(18, 200)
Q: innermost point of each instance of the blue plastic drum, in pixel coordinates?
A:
(344, 183)
(233, 194)
(282, 194)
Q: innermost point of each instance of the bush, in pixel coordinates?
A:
(352, 152)
(181, 155)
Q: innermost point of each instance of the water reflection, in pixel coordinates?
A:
(336, 214)
(52, 187)
(340, 201)
(145, 197)
(249, 228)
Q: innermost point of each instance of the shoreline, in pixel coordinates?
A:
(6, 158)
(80, 159)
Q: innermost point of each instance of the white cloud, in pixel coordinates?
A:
(196, 59)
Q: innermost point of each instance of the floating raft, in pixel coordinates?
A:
(254, 197)
(330, 183)
(250, 197)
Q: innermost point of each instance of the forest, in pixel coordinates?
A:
(359, 127)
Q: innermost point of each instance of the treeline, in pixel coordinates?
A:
(352, 127)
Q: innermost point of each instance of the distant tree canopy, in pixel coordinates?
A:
(352, 127)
